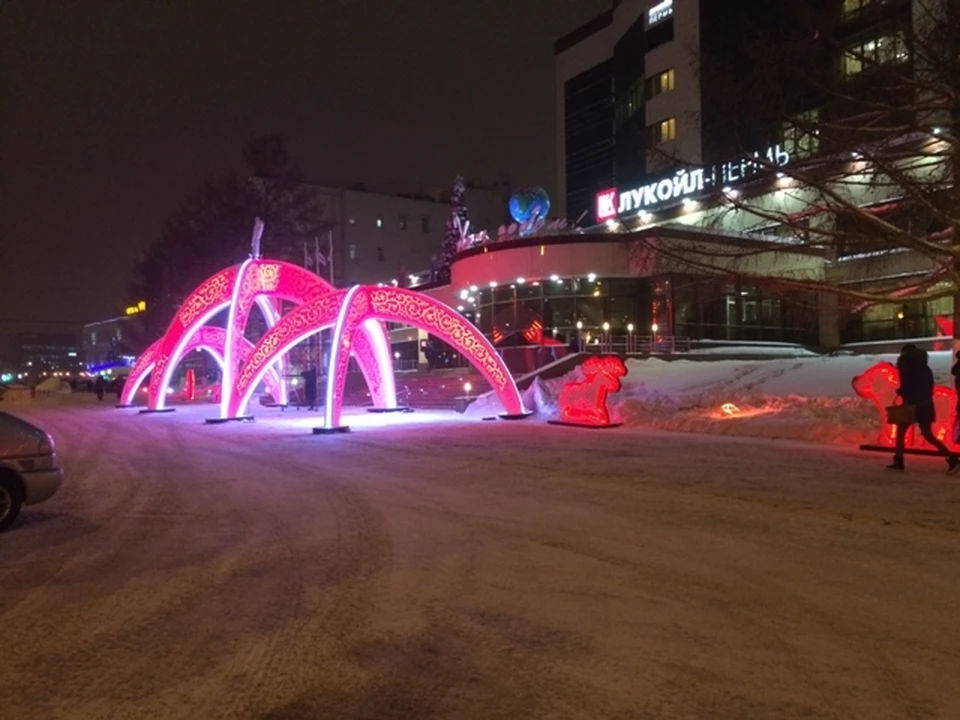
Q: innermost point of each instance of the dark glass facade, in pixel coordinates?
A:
(678, 305)
(588, 118)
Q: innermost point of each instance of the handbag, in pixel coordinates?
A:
(901, 414)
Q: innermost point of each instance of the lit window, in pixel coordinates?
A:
(380, 256)
(425, 224)
(661, 83)
(866, 52)
(664, 131)
(379, 221)
(403, 222)
(353, 252)
(854, 6)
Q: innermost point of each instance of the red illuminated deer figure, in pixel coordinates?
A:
(584, 402)
(879, 383)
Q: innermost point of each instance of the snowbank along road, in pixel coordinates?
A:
(474, 570)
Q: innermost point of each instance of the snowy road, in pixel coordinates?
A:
(475, 570)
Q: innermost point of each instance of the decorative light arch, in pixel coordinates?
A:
(212, 340)
(237, 289)
(352, 313)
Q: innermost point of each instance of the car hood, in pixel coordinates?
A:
(18, 437)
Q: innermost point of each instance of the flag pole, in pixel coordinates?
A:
(330, 238)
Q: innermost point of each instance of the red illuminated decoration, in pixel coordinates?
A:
(190, 385)
(879, 383)
(584, 402)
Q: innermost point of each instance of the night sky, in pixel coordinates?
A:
(113, 110)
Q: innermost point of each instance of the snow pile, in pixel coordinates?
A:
(801, 398)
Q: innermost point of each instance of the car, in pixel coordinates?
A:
(29, 472)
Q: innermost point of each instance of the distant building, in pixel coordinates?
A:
(48, 352)
(105, 341)
(376, 234)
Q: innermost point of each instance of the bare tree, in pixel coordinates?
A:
(871, 121)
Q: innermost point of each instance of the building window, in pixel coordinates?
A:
(851, 7)
(629, 104)
(353, 252)
(403, 222)
(660, 83)
(801, 136)
(380, 256)
(93, 337)
(379, 220)
(425, 224)
(869, 51)
(664, 131)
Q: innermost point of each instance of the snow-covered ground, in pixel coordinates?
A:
(808, 397)
(436, 566)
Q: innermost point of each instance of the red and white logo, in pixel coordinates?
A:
(606, 204)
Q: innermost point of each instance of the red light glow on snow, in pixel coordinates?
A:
(584, 402)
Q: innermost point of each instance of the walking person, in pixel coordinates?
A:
(310, 387)
(100, 385)
(916, 392)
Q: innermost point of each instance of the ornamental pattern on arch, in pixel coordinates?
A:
(216, 289)
(407, 306)
(303, 319)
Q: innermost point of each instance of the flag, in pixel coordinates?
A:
(318, 256)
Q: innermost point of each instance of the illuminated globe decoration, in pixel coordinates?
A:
(529, 204)
(357, 317)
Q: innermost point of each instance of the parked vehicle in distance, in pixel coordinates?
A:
(29, 472)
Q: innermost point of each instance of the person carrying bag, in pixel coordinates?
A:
(916, 395)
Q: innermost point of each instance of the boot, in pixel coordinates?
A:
(895, 465)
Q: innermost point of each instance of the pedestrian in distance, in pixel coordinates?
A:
(100, 385)
(310, 387)
(916, 394)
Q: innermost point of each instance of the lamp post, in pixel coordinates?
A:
(579, 336)
(467, 387)
(653, 340)
(396, 356)
(606, 337)
(630, 337)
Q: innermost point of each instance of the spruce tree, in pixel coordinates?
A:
(456, 225)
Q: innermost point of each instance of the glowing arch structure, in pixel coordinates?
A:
(353, 314)
(212, 340)
(237, 289)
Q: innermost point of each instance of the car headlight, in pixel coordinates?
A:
(46, 446)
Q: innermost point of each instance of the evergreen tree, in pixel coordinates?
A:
(455, 228)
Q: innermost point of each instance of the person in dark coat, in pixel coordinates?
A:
(310, 387)
(100, 385)
(916, 389)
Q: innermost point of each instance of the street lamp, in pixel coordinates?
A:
(606, 337)
(579, 335)
(653, 340)
(629, 337)
(467, 387)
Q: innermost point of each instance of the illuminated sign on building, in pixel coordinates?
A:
(613, 203)
(660, 11)
(138, 308)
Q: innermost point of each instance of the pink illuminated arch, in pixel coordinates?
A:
(372, 351)
(265, 283)
(212, 340)
(364, 303)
